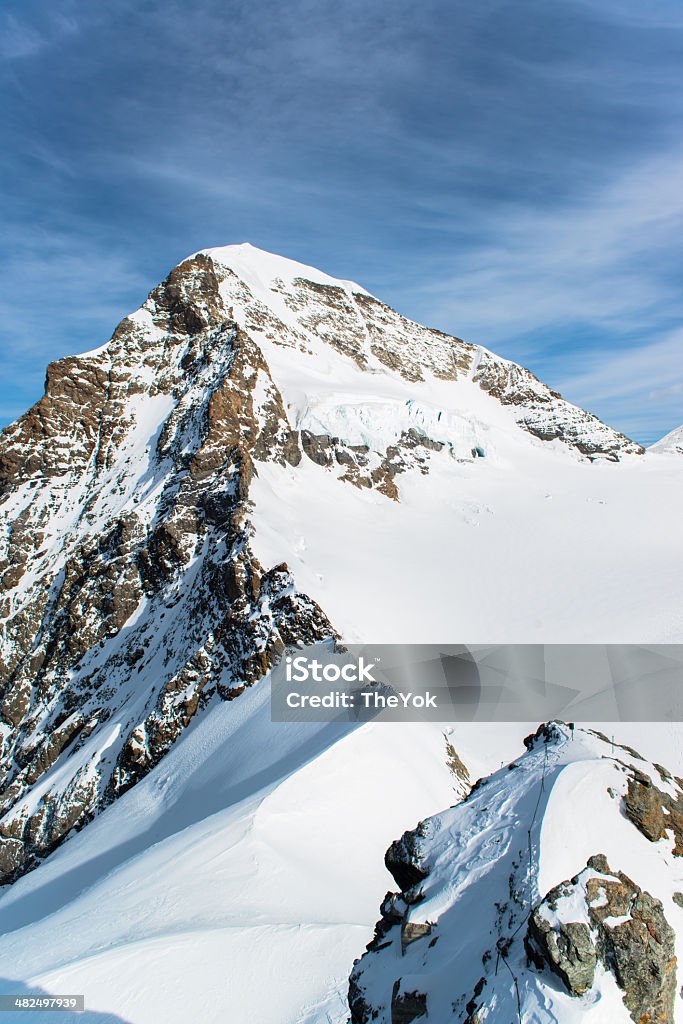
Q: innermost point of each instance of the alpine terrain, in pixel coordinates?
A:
(551, 893)
(263, 456)
(671, 442)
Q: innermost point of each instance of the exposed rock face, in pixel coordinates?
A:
(361, 1011)
(407, 1006)
(130, 596)
(129, 592)
(568, 948)
(622, 926)
(537, 411)
(655, 813)
(404, 860)
(458, 770)
(362, 467)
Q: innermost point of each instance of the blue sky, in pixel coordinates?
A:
(507, 172)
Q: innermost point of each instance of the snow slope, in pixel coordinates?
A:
(671, 443)
(523, 548)
(239, 880)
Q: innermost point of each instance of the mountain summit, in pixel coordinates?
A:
(671, 443)
(263, 456)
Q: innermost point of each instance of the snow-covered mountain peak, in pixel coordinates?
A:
(174, 507)
(261, 270)
(260, 457)
(671, 443)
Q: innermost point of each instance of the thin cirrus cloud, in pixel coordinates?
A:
(601, 267)
(509, 174)
(648, 378)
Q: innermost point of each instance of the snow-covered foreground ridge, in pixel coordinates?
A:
(240, 879)
(263, 456)
(553, 893)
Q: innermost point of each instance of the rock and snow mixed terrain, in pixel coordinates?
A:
(262, 456)
(553, 892)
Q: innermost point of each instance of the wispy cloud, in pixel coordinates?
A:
(18, 39)
(605, 259)
(24, 36)
(587, 283)
(509, 176)
(647, 380)
(56, 299)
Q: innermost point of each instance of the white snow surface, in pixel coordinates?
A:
(242, 877)
(239, 880)
(528, 546)
(259, 269)
(671, 443)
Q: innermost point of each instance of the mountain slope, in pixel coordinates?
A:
(552, 893)
(670, 443)
(254, 460)
(239, 879)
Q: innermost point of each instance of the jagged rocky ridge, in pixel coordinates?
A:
(486, 925)
(129, 592)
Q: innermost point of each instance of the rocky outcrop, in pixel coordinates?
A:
(459, 770)
(362, 467)
(603, 916)
(655, 813)
(567, 948)
(403, 859)
(546, 415)
(407, 1006)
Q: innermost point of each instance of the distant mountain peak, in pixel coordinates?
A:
(671, 443)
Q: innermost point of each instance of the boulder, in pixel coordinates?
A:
(603, 916)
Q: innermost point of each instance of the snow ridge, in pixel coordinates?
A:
(457, 942)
